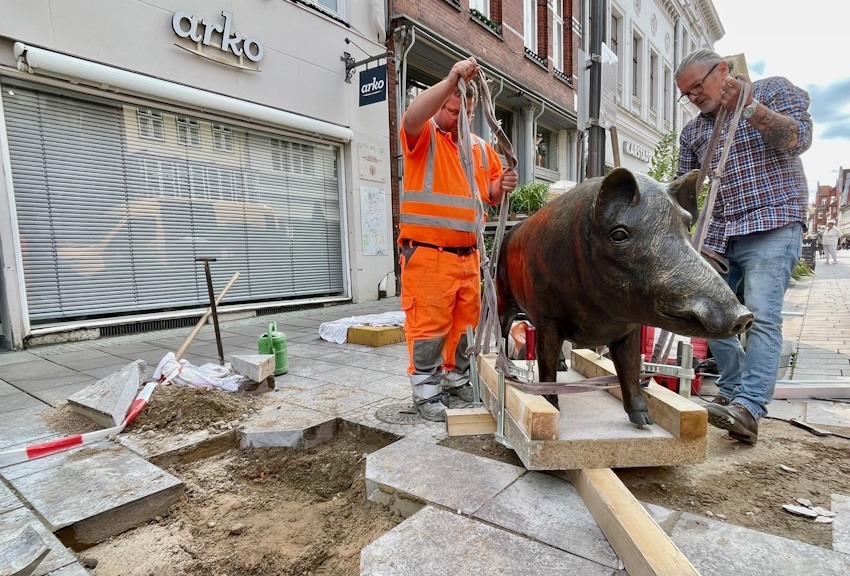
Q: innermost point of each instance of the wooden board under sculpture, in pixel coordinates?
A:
(592, 430)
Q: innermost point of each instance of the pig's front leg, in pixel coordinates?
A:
(548, 352)
(625, 353)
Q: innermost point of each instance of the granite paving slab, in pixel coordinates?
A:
(19, 401)
(286, 425)
(9, 358)
(33, 369)
(23, 427)
(333, 399)
(58, 557)
(6, 388)
(165, 450)
(418, 428)
(58, 395)
(35, 386)
(8, 500)
(438, 542)
(108, 400)
(719, 549)
(549, 510)
(841, 524)
(98, 492)
(436, 475)
(829, 413)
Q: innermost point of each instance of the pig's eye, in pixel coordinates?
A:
(619, 235)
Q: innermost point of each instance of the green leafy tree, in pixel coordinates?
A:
(665, 159)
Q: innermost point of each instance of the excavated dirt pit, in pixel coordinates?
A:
(257, 512)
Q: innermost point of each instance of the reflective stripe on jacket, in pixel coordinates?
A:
(436, 206)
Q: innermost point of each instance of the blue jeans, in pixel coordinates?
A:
(761, 264)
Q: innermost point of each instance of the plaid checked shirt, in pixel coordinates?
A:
(761, 188)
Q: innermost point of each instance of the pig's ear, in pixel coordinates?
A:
(618, 191)
(684, 190)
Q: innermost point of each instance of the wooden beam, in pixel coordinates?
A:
(636, 538)
(680, 416)
(469, 421)
(538, 419)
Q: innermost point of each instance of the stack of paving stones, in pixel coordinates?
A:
(464, 514)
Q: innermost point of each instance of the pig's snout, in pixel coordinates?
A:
(743, 323)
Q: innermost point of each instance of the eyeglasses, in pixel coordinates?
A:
(696, 90)
(456, 113)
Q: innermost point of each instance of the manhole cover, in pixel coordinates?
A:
(399, 414)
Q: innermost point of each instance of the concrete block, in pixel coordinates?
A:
(256, 367)
(98, 492)
(437, 542)
(437, 475)
(108, 400)
(375, 335)
(287, 425)
(549, 510)
(23, 427)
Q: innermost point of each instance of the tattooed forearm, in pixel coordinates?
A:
(778, 131)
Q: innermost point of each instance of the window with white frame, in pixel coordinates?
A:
(653, 82)
(334, 6)
(617, 49)
(222, 138)
(667, 101)
(150, 124)
(530, 25)
(482, 6)
(637, 65)
(188, 131)
(558, 34)
(292, 157)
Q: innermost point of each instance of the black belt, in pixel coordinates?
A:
(459, 250)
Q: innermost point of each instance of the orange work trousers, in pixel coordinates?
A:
(440, 296)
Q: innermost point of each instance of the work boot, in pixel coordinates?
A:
(722, 400)
(431, 409)
(463, 392)
(736, 419)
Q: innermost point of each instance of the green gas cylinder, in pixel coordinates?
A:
(274, 342)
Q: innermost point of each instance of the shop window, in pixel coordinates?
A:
(188, 132)
(546, 149)
(150, 125)
(292, 157)
(222, 138)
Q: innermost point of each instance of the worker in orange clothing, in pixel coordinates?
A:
(440, 266)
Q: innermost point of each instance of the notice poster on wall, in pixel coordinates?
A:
(373, 221)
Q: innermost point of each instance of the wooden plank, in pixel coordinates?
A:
(538, 419)
(375, 335)
(678, 415)
(469, 421)
(636, 538)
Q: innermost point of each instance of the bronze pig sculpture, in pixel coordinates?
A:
(606, 257)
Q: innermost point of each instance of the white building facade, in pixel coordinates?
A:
(650, 38)
(137, 137)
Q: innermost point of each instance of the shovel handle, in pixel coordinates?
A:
(182, 350)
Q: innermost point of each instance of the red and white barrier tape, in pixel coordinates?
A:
(46, 448)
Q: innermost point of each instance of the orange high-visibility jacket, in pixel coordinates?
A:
(436, 205)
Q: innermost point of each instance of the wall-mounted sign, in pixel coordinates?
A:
(226, 39)
(373, 85)
(636, 151)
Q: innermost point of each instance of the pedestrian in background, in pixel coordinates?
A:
(757, 223)
(440, 266)
(830, 241)
(820, 241)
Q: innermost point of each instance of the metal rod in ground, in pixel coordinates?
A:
(206, 262)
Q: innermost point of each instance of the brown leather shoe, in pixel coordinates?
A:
(736, 419)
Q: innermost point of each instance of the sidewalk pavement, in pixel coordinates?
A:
(354, 383)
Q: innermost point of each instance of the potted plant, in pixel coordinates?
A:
(528, 197)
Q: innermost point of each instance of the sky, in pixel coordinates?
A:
(808, 46)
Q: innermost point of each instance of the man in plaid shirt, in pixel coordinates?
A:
(757, 222)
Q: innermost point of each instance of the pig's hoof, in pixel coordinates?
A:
(641, 419)
(552, 398)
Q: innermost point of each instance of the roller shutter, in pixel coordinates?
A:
(114, 202)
